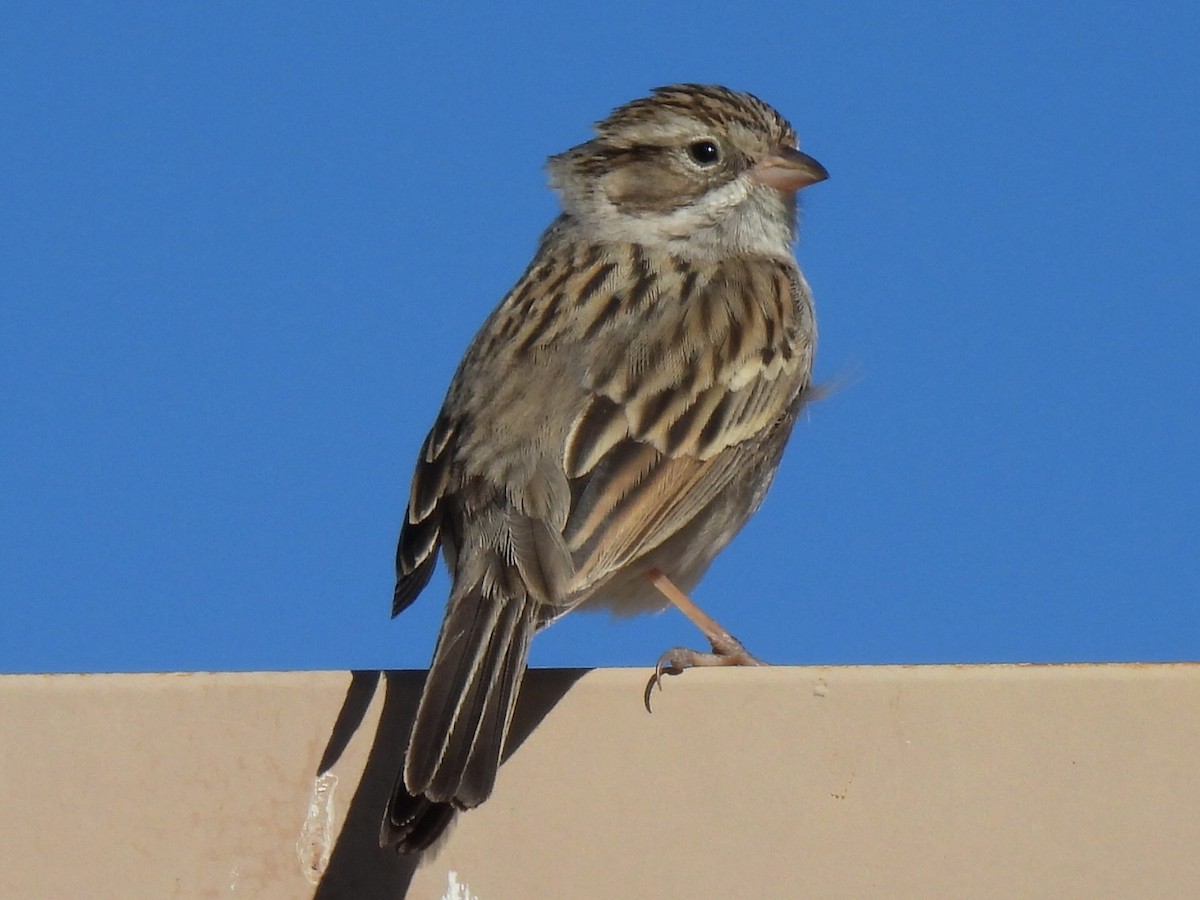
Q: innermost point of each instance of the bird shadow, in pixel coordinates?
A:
(358, 867)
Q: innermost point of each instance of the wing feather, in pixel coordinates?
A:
(692, 406)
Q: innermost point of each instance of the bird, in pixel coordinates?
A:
(614, 422)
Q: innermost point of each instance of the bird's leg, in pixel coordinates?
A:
(726, 649)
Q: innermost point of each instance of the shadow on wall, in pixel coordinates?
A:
(358, 867)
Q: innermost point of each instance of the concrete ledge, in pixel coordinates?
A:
(996, 781)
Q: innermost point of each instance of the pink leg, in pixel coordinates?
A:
(726, 649)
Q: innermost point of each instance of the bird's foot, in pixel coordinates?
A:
(726, 651)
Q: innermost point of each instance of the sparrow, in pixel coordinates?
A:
(615, 421)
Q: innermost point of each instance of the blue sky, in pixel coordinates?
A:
(244, 245)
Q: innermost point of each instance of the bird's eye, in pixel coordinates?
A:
(704, 152)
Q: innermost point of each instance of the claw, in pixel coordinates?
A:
(667, 665)
(726, 651)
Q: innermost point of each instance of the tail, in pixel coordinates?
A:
(464, 715)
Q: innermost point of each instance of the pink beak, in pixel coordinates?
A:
(787, 169)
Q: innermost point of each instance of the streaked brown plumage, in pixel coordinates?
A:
(621, 412)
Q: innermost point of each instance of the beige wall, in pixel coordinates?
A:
(998, 781)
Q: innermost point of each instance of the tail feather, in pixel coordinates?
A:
(505, 669)
(412, 824)
(464, 715)
(454, 691)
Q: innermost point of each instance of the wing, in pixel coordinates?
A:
(421, 533)
(698, 404)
